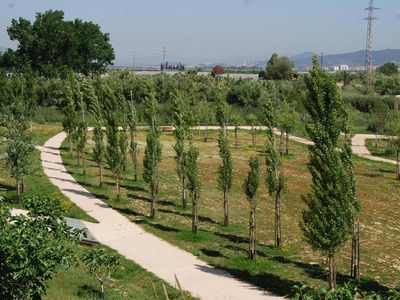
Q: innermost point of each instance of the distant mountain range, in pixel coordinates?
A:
(353, 59)
(301, 61)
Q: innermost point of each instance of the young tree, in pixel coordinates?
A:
(34, 248)
(101, 264)
(16, 144)
(69, 121)
(152, 152)
(252, 121)
(123, 136)
(287, 120)
(222, 111)
(236, 120)
(113, 154)
(275, 179)
(81, 139)
(250, 187)
(331, 204)
(205, 115)
(98, 137)
(182, 128)
(132, 119)
(193, 183)
(225, 172)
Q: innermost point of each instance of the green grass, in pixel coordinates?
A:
(380, 148)
(38, 183)
(130, 282)
(275, 270)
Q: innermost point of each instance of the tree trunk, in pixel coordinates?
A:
(224, 130)
(198, 123)
(117, 184)
(102, 290)
(84, 161)
(253, 136)
(355, 251)
(205, 134)
(70, 143)
(135, 164)
(236, 138)
(78, 156)
(398, 165)
(153, 204)
(23, 185)
(252, 238)
(278, 233)
(19, 192)
(226, 208)
(195, 215)
(30, 124)
(287, 143)
(281, 145)
(101, 176)
(332, 270)
(184, 200)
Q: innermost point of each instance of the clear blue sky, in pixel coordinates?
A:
(198, 31)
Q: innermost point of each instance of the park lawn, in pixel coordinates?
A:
(129, 282)
(379, 147)
(39, 183)
(275, 270)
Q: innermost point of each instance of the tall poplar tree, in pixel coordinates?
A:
(113, 153)
(98, 137)
(182, 128)
(153, 151)
(250, 187)
(225, 172)
(275, 178)
(132, 121)
(327, 222)
(193, 182)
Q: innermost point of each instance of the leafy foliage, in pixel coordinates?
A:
(250, 186)
(75, 45)
(332, 206)
(34, 248)
(101, 264)
(279, 68)
(389, 68)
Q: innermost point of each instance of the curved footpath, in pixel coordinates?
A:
(147, 250)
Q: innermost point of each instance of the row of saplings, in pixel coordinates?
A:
(119, 145)
(332, 214)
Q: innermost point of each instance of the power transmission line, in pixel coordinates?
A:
(368, 53)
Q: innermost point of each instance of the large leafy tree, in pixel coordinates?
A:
(52, 46)
(34, 248)
(279, 68)
(331, 204)
(389, 69)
